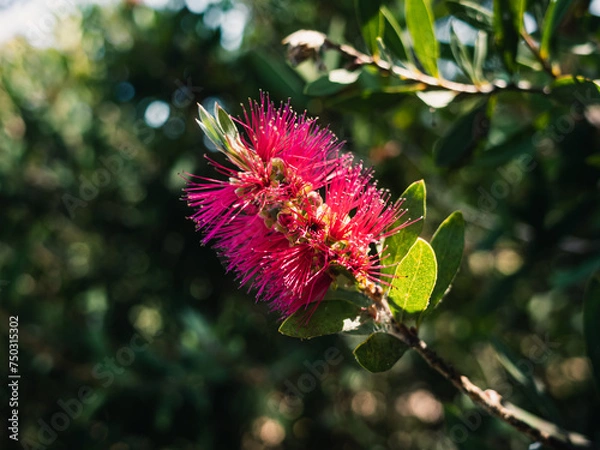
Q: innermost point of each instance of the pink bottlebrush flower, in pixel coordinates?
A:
(293, 212)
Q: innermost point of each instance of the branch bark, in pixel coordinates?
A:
(362, 59)
(548, 434)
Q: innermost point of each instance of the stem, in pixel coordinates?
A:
(362, 59)
(536, 52)
(547, 433)
(489, 400)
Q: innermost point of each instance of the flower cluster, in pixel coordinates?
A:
(293, 212)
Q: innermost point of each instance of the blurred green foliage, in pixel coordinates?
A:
(97, 258)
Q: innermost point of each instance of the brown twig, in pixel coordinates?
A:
(489, 400)
(362, 59)
(533, 47)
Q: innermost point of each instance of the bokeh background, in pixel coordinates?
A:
(132, 330)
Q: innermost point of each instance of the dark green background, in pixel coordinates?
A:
(87, 269)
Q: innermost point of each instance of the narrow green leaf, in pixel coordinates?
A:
(379, 352)
(419, 20)
(591, 328)
(515, 145)
(519, 7)
(508, 20)
(554, 15)
(461, 54)
(330, 317)
(370, 21)
(394, 38)
(225, 122)
(567, 439)
(460, 141)
(472, 13)
(570, 89)
(414, 280)
(481, 47)
(448, 243)
(397, 246)
(276, 74)
(512, 363)
(209, 125)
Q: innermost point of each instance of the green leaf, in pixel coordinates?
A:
(512, 363)
(576, 89)
(397, 245)
(225, 122)
(414, 280)
(419, 20)
(508, 23)
(379, 352)
(370, 21)
(332, 83)
(516, 145)
(554, 15)
(211, 128)
(330, 317)
(591, 328)
(279, 76)
(354, 297)
(461, 54)
(460, 141)
(472, 13)
(481, 44)
(393, 37)
(448, 243)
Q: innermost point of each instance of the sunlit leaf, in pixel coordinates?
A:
(211, 128)
(330, 317)
(461, 55)
(448, 244)
(554, 15)
(379, 352)
(397, 245)
(419, 20)
(481, 46)
(225, 122)
(393, 37)
(570, 89)
(370, 21)
(460, 141)
(591, 318)
(414, 280)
